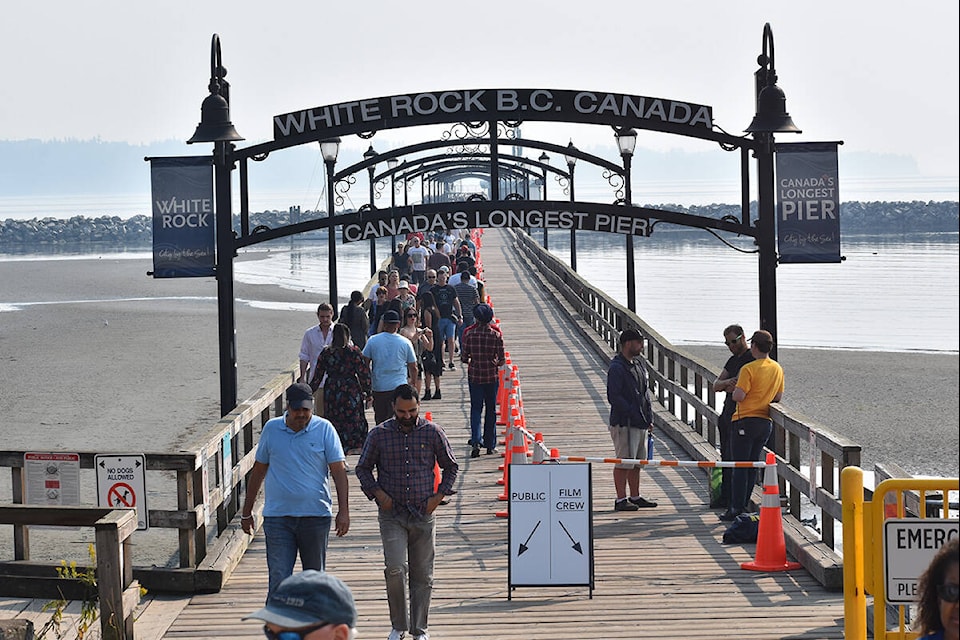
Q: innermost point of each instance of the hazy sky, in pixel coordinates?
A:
(879, 75)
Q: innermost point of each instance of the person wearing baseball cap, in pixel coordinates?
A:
(310, 605)
(631, 419)
(393, 362)
(759, 383)
(294, 455)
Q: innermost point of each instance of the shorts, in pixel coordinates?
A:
(447, 328)
(629, 442)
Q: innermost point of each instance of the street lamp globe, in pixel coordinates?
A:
(570, 156)
(627, 141)
(329, 149)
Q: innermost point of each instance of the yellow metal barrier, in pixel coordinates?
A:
(885, 545)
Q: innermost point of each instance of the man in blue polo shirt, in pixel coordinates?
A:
(293, 456)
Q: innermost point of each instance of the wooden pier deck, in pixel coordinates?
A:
(659, 573)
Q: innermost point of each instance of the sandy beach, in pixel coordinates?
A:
(98, 356)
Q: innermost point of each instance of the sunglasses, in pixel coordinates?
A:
(292, 635)
(734, 341)
(949, 592)
(431, 277)
(411, 315)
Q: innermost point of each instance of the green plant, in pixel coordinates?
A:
(89, 609)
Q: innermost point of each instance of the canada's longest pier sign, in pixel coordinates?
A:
(473, 105)
(472, 215)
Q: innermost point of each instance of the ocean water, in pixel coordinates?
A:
(889, 294)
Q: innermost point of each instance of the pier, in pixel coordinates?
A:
(660, 572)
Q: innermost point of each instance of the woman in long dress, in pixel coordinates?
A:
(347, 390)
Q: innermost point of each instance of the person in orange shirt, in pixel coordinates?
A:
(760, 383)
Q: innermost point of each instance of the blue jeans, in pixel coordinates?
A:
(749, 435)
(408, 551)
(288, 534)
(484, 395)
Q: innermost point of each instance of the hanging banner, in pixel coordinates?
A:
(808, 202)
(184, 236)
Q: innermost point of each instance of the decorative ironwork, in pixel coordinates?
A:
(616, 182)
(508, 129)
(366, 135)
(260, 157)
(726, 146)
(464, 130)
(564, 183)
(342, 187)
(260, 228)
(379, 187)
(514, 196)
(477, 196)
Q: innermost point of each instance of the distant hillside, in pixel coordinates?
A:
(855, 217)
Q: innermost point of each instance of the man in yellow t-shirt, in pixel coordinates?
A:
(760, 382)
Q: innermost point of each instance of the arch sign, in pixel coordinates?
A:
(473, 105)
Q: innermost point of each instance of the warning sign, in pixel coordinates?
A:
(121, 484)
(52, 478)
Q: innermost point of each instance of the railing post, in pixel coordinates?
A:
(185, 502)
(114, 574)
(21, 532)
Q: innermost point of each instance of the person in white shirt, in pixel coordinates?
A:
(315, 340)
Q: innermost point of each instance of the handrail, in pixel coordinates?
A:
(686, 407)
(118, 593)
(208, 474)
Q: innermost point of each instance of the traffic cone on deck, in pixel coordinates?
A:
(771, 548)
(539, 450)
(436, 466)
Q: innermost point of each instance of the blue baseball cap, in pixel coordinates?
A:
(309, 597)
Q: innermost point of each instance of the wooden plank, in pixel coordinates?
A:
(662, 569)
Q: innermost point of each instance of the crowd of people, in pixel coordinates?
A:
(385, 351)
(389, 351)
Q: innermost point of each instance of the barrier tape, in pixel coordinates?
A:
(668, 463)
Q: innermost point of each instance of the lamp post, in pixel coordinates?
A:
(545, 159)
(771, 117)
(391, 165)
(571, 165)
(215, 127)
(627, 142)
(371, 155)
(329, 149)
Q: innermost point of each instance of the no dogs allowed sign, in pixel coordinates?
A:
(121, 484)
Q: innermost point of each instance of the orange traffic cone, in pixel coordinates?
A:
(518, 448)
(771, 549)
(436, 466)
(506, 471)
(539, 450)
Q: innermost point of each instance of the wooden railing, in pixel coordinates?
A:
(118, 593)
(208, 475)
(687, 411)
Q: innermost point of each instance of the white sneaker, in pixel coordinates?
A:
(396, 634)
(422, 636)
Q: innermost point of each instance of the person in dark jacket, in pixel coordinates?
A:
(631, 419)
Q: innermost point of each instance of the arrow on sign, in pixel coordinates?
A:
(523, 545)
(576, 545)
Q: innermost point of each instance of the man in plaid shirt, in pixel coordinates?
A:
(404, 450)
(481, 347)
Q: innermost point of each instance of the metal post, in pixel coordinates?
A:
(373, 239)
(223, 165)
(331, 237)
(767, 238)
(544, 158)
(573, 230)
(393, 212)
(631, 267)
